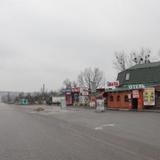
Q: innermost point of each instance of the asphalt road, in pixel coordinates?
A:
(78, 135)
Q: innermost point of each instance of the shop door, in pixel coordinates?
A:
(135, 103)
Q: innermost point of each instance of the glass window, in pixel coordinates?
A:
(126, 99)
(111, 98)
(118, 98)
(127, 76)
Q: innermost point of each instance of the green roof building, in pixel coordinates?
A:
(139, 88)
(146, 74)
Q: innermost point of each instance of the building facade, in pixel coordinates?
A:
(139, 88)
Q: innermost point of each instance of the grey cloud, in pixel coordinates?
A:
(48, 41)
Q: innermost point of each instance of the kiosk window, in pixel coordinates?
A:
(111, 98)
(126, 99)
(127, 76)
(118, 98)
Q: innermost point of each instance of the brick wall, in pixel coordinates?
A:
(119, 100)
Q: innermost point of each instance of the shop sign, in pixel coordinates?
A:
(93, 102)
(84, 92)
(113, 84)
(83, 100)
(76, 90)
(129, 96)
(149, 96)
(68, 90)
(100, 105)
(136, 86)
(135, 94)
(68, 93)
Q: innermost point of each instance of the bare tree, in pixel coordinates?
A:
(141, 57)
(124, 61)
(74, 84)
(121, 62)
(67, 83)
(91, 78)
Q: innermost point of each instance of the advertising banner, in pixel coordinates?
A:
(149, 96)
(76, 90)
(100, 105)
(84, 92)
(135, 93)
(136, 86)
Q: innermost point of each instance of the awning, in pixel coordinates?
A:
(117, 90)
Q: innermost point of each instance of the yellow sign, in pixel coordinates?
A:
(149, 96)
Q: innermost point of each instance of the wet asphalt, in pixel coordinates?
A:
(77, 134)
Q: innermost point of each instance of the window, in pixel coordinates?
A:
(111, 98)
(126, 99)
(118, 98)
(127, 76)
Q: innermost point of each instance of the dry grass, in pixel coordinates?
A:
(39, 109)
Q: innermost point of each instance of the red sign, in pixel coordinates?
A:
(84, 92)
(113, 84)
(76, 90)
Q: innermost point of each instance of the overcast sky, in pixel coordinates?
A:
(46, 41)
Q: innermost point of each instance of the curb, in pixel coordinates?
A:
(128, 110)
(153, 111)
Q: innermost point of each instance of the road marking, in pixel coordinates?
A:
(104, 125)
(33, 112)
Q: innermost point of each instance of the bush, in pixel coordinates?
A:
(39, 109)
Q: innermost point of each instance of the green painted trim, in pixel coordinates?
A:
(146, 84)
(127, 88)
(117, 90)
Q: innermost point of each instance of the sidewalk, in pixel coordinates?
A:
(149, 110)
(144, 110)
(77, 109)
